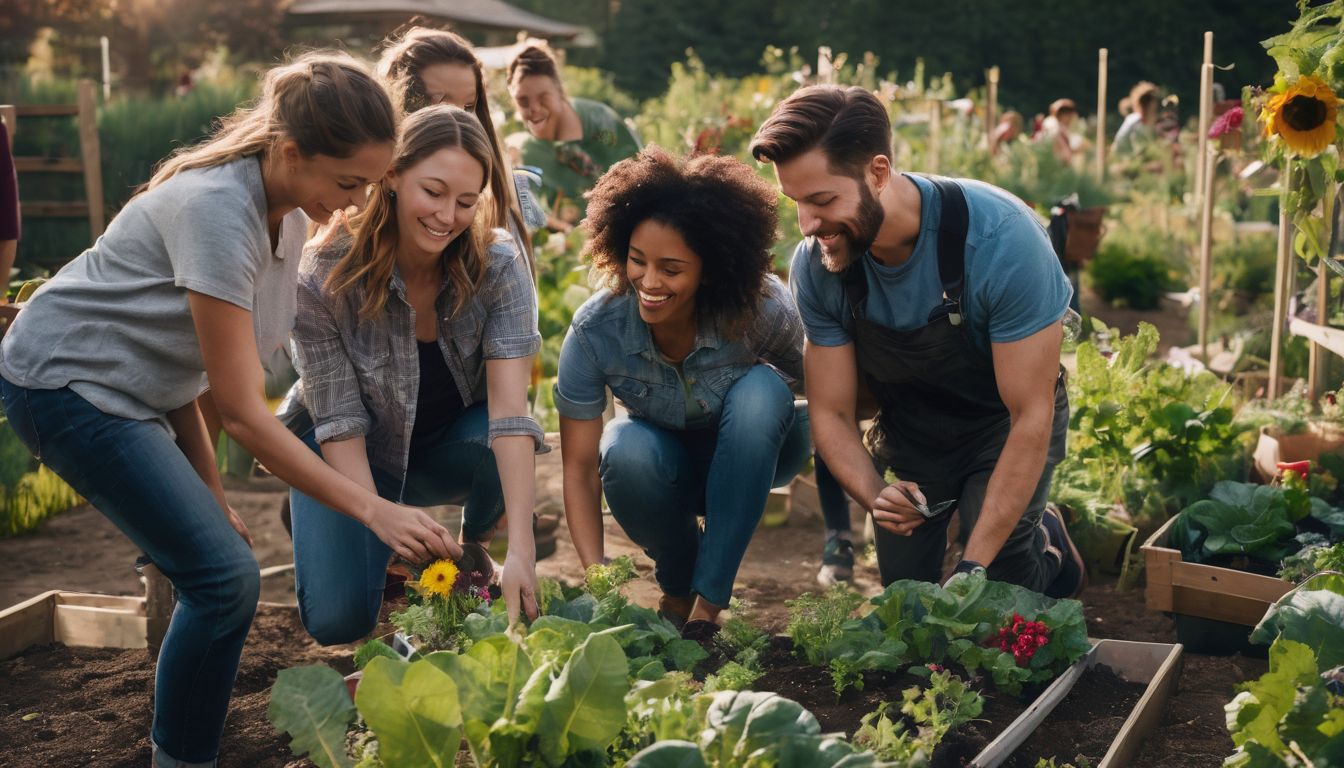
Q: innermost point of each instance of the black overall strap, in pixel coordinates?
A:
(954, 221)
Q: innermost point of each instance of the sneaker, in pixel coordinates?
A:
(1072, 577)
(837, 559)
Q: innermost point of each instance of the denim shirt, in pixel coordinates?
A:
(609, 345)
(362, 378)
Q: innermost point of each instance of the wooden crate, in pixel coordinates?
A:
(1156, 664)
(73, 618)
(1206, 591)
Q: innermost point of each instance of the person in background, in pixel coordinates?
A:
(837, 555)
(572, 140)
(1137, 129)
(192, 284)
(1009, 128)
(414, 341)
(433, 66)
(1058, 130)
(700, 342)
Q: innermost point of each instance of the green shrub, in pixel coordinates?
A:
(1133, 271)
(1246, 265)
(134, 134)
(29, 493)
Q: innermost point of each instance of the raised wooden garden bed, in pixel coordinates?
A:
(1156, 665)
(1205, 591)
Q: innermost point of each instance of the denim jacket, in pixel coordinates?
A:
(362, 378)
(608, 345)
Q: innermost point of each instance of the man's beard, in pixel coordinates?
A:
(858, 238)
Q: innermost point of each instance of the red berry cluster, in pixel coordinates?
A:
(1020, 638)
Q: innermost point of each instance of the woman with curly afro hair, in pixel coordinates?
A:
(701, 344)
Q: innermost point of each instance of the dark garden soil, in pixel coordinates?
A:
(1084, 724)
(94, 705)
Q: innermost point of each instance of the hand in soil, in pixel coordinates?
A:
(519, 585)
(413, 536)
(895, 508)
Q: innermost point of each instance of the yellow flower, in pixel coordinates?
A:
(439, 578)
(1303, 116)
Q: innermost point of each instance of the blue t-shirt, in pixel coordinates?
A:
(1014, 285)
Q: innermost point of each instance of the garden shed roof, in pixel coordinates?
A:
(490, 14)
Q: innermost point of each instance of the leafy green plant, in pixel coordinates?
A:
(1147, 434)
(733, 676)
(313, 706)
(1245, 519)
(602, 580)
(959, 624)
(935, 710)
(1130, 274)
(815, 621)
(1315, 547)
(737, 729)
(1293, 715)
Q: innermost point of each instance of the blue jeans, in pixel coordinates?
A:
(658, 480)
(135, 474)
(340, 566)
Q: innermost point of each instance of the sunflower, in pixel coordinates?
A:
(438, 578)
(1303, 116)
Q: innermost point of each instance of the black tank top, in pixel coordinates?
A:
(438, 403)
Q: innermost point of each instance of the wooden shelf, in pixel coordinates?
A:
(1330, 338)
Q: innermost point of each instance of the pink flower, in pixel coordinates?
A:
(1226, 123)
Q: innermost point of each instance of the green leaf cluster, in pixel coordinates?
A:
(1293, 715)
(1255, 521)
(915, 621)
(934, 711)
(313, 706)
(1145, 433)
(546, 701)
(822, 630)
(951, 625)
(733, 729)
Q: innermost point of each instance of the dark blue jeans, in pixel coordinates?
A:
(135, 474)
(657, 481)
(340, 566)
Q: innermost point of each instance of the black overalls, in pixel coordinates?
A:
(941, 422)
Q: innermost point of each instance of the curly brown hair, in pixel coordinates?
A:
(724, 211)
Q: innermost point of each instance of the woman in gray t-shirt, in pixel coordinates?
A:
(194, 282)
(414, 341)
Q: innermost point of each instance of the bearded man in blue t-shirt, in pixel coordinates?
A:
(944, 300)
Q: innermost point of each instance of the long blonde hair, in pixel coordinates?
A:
(401, 65)
(327, 102)
(373, 251)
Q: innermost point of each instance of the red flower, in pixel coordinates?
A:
(1226, 123)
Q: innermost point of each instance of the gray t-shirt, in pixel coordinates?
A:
(114, 324)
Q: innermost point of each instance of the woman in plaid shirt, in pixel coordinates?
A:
(416, 329)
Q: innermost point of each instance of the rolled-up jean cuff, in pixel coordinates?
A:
(518, 425)
(162, 759)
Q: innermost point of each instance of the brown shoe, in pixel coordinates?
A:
(675, 609)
